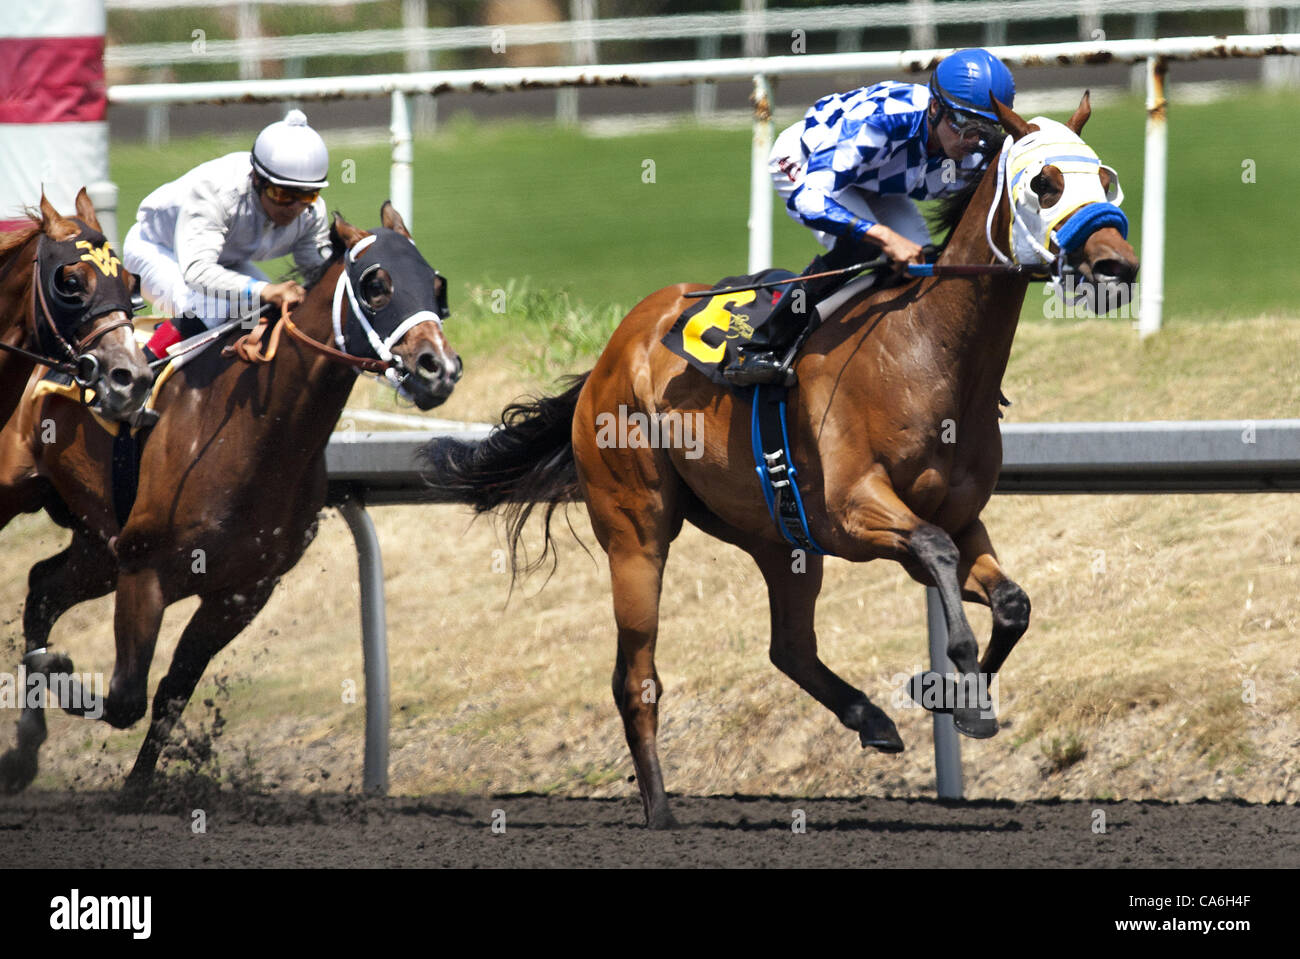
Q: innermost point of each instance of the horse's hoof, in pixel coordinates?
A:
(17, 770)
(662, 819)
(975, 723)
(135, 793)
(933, 691)
(886, 740)
(875, 728)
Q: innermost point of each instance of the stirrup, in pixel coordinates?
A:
(760, 370)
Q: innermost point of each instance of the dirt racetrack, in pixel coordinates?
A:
(89, 830)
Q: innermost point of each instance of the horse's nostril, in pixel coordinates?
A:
(428, 365)
(121, 377)
(1116, 270)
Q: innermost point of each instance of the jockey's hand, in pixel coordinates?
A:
(285, 295)
(896, 246)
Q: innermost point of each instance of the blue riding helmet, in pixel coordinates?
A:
(967, 80)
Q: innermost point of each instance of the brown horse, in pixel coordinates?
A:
(893, 426)
(65, 300)
(231, 480)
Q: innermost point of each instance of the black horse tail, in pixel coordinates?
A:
(526, 461)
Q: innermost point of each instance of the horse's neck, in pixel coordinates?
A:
(984, 310)
(311, 389)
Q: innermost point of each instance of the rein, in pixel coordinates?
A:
(249, 348)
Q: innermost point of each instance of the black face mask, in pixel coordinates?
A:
(68, 303)
(390, 283)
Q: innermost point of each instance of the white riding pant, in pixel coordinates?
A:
(896, 211)
(163, 284)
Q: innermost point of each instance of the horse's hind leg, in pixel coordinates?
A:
(792, 598)
(635, 534)
(218, 620)
(83, 571)
(985, 582)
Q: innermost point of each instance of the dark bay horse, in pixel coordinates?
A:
(66, 298)
(893, 427)
(233, 474)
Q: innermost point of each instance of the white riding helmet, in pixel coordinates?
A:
(290, 153)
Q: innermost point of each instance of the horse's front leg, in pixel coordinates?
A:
(876, 523)
(140, 605)
(83, 571)
(985, 582)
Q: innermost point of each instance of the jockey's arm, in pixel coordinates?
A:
(313, 247)
(818, 209)
(201, 227)
(843, 166)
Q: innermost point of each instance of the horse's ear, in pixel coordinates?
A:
(345, 231)
(1010, 120)
(1081, 114)
(392, 220)
(86, 210)
(53, 223)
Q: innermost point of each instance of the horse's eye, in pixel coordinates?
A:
(68, 283)
(376, 288)
(1042, 185)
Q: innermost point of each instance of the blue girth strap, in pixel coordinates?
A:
(775, 468)
(1087, 220)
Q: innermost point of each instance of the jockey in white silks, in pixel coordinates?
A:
(852, 169)
(196, 239)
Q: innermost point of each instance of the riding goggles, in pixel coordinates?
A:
(972, 130)
(285, 195)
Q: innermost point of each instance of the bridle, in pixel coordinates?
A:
(77, 361)
(384, 363)
(1083, 208)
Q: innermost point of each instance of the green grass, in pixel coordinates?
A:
(536, 207)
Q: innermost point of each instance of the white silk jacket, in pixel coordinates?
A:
(212, 219)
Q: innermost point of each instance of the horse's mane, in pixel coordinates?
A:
(11, 240)
(310, 276)
(948, 210)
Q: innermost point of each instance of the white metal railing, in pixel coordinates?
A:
(415, 36)
(1156, 53)
(1156, 457)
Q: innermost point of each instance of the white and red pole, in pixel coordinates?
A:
(53, 102)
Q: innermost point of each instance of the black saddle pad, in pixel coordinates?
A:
(709, 332)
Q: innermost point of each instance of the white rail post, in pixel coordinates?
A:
(103, 194)
(157, 125)
(947, 747)
(581, 13)
(249, 27)
(921, 13)
(415, 19)
(760, 182)
(400, 187)
(706, 91)
(1152, 283)
(754, 41)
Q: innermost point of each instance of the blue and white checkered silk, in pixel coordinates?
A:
(871, 139)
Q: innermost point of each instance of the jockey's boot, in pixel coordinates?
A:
(755, 365)
(165, 336)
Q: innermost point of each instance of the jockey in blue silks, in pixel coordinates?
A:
(853, 167)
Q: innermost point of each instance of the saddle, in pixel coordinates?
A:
(710, 332)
